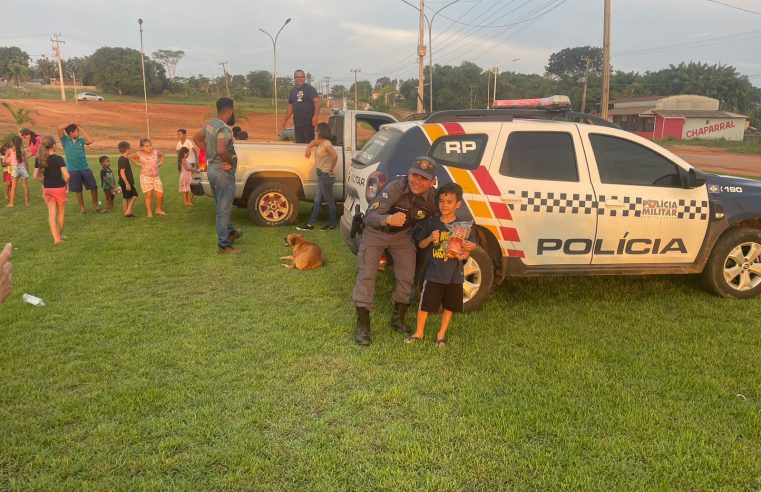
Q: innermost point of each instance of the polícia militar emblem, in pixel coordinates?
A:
(420, 215)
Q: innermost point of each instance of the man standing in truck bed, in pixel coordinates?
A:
(402, 203)
(304, 105)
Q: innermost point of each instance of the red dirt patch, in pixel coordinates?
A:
(111, 122)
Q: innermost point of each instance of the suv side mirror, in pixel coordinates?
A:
(695, 178)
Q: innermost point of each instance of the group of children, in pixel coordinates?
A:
(50, 169)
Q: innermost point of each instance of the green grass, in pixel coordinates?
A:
(158, 364)
(745, 147)
(257, 104)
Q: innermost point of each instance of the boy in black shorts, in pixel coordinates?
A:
(126, 180)
(444, 276)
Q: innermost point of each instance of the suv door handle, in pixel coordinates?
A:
(511, 198)
(613, 203)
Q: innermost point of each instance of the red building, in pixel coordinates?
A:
(680, 117)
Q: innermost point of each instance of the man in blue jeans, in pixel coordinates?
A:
(217, 139)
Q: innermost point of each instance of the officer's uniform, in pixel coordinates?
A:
(395, 197)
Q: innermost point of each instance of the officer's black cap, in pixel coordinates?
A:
(424, 166)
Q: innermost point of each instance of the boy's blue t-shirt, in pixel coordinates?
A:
(76, 159)
(443, 272)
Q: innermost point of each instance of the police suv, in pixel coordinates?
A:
(552, 192)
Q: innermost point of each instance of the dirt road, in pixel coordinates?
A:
(111, 122)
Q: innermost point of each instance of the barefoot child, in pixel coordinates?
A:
(149, 161)
(186, 175)
(6, 170)
(444, 276)
(126, 180)
(50, 168)
(107, 181)
(14, 157)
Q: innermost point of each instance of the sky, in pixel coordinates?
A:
(330, 38)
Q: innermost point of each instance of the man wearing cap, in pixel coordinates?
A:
(389, 220)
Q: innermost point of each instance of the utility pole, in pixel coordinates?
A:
(327, 87)
(224, 70)
(606, 64)
(421, 50)
(355, 70)
(57, 53)
(471, 97)
(586, 78)
(494, 92)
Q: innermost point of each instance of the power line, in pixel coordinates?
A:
(735, 7)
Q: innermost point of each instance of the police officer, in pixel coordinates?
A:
(389, 220)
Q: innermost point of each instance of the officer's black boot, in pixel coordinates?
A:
(363, 326)
(397, 318)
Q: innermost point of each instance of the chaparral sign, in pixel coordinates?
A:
(729, 129)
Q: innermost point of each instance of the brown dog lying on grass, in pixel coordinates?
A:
(306, 255)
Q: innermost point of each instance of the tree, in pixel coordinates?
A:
(260, 82)
(169, 59)
(14, 64)
(338, 91)
(21, 116)
(569, 62)
(118, 70)
(45, 69)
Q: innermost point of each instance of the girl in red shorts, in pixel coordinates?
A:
(51, 170)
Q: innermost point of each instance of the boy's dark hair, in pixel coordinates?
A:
(450, 189)
(224, 103)
(243, 135)
(70, 128)
(182, 130)
(102, 159)
(236, 131)
(123, 146)
(323, 131)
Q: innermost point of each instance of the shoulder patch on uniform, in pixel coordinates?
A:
(374, 205)
(420, 215)
(384, 195)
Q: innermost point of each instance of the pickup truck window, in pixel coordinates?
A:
(540, 155)
(623, 162)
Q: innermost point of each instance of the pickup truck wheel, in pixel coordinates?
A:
(479, 279)
(273, 204)
(734, 267)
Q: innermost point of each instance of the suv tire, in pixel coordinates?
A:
(479, 279)
(734, 267)
(272, 204)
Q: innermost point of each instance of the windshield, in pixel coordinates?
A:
(377, 147)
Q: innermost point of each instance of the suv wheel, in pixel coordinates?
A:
(479, 279)
(272, 204)
(734, 267)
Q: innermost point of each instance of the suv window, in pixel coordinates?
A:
(540, 155)
(623, 162)
(465, 151)
(378, 146)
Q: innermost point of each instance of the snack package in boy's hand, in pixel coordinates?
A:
(458, 233)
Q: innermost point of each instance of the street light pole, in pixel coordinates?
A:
(430, 47)
(145, 90)
(274, 65)
(496, 71)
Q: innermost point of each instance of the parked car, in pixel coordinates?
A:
(272, 177)
(89, 96)
(571, 197)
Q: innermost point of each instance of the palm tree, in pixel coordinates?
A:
(21, 116)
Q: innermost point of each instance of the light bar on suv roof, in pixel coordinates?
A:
(552, 102)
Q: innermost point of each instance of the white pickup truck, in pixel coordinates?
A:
(273, 177)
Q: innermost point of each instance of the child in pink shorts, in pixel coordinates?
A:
(149, 161)
(51, 170)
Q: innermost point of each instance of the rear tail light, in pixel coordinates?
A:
(374, 184)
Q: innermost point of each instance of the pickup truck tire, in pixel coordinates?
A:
(272, 204)
(734, 267)
(479, 279)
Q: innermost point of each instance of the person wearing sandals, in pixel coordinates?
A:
(325, 159)
(444, 276)
(76, 163)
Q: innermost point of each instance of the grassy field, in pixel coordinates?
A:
(158, 364)
(744, 147)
